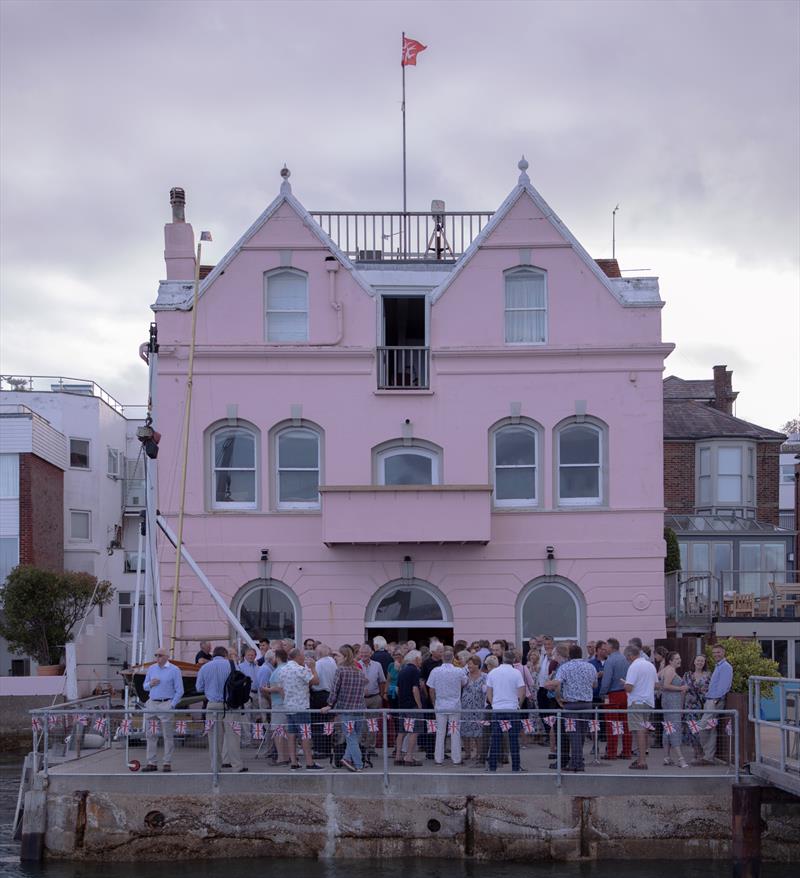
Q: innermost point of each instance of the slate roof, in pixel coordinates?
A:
(690, 419)
(678, 388)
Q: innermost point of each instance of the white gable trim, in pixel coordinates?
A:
(184, 303)
(647, 294)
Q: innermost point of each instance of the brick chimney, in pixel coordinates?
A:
(610, 267)
(179, 240)
(723, 390)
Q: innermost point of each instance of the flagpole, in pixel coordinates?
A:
(403, 105)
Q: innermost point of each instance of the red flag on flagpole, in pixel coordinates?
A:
(411, 48)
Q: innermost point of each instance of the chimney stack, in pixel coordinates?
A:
(723, 390)
(179, 253)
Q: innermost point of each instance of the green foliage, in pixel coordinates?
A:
(747, 661)
(40, 609)
(672, 560)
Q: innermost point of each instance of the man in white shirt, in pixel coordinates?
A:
(320, 692)
(640, 684)
(445, 684)
(505, 691)
(542, 701)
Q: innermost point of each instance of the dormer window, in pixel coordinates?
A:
(286, 296)
(526, 306)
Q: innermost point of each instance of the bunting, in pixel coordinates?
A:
(527, 726)
(327, 728)
(305, 731)
(594, 726)
(408, 724)
(372, 723)
(181, 726)
(258, 731)
(100, 725)
(569, 725)
(430, 725)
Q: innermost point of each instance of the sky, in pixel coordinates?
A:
(686, 114)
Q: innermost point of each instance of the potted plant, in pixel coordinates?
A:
(747, 661)
(42, 607)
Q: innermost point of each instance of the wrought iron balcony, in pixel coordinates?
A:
(386, 236)
(403, 368)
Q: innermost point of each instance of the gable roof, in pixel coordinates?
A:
(182, 302)
(690, 419)
(629, 292)
(679, 388)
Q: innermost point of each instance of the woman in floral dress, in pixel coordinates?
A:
(697, 681)
(473, 698)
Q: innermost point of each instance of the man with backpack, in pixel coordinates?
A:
(227, 690)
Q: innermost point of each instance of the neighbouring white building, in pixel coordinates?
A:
(71, 497)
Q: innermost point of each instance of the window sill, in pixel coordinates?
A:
(410, 392)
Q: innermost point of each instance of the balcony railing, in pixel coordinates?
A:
(75, 386)
(402, 237)
(694, 599)
(403, 368)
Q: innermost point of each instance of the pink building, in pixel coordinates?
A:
(449, 424)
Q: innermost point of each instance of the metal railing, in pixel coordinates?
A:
(268, 742)
(62, 384)
(394, 236)
(403, 368)
(694, 599)
(777, 739)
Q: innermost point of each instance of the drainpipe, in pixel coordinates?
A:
(332, 266)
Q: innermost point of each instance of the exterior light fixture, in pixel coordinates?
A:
(550, 561)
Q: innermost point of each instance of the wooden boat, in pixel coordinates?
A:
(134, 677)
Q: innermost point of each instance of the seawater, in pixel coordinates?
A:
(10, 866)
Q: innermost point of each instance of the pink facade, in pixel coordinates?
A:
(426, 432)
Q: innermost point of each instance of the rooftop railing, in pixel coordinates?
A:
(62, 384)
(387, 236)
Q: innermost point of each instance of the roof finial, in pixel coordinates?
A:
(523, 166)
(286, 186)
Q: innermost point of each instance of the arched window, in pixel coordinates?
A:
(415, 464)
(408, 603)
(515, 451)
(286, 295)
(581, 480)
(234, 473)
(267, 608)
(526, 306)
(297, 468)
(551, 607)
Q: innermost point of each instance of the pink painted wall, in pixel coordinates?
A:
(598, 351)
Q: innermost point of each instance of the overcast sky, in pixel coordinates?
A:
(687, 114)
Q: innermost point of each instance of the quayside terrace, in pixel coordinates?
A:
(86, 802)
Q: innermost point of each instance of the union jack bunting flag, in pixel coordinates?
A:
(569, 725)
(729, 727)
(372, 723)
(100, 724)
(550, 720)
(669, 728)
(505, 725)
(712, 722)
(694, 726)
(36, 724)
(305, 731)
(327, 728)
(236, 728)
(650, 727)
(408, 724)
(258, 731)
(181, 726)
(52, 720)
(208, 725)
(152, 726)
(617, 727)
(280, 732)
(452, 727)
(486, 722)
(349, 727)
(124, 728)
(431, 725)
(527, 726)
(83, 720)
(594, 725)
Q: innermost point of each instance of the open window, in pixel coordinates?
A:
(403, 362)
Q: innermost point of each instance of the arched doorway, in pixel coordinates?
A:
(268, 608)
(553, 606)
(409, 609)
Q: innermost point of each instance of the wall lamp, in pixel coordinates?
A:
(550, 560)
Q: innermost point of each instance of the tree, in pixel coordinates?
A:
(41, 608)
(672, 561)
(791, 426)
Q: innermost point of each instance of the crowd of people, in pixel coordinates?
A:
(485, 699)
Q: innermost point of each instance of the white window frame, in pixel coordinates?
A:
(708, 476)
(88, 442)
(88, 515)
(114, 463)
(296, 504)
(520, 503)
(580, 616)
(602, 432)
(787, 473)
(422, 451)
(9, 476)
(214, 469)
(267, 311)
(516, 272)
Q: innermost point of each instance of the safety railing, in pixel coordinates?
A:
(777, 737)
(402, 368)
(391, 742)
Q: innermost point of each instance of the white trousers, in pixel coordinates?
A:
(161, 711)
(443, 720)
